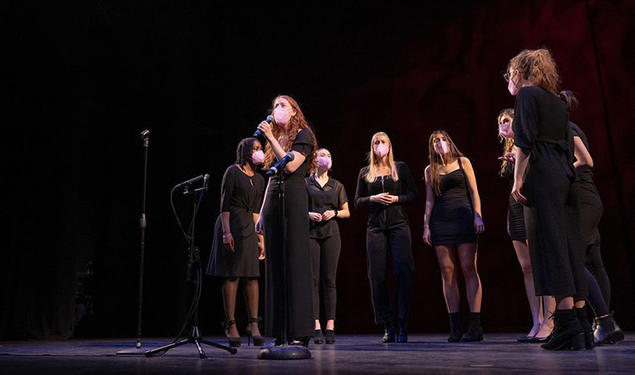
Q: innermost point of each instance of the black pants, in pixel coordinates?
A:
(325, 254)
(378, 242)
(593, 261)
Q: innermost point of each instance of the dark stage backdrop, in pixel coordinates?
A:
(88, 76)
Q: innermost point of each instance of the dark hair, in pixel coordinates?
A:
(244, 150)
(435, 159)
(569, 98)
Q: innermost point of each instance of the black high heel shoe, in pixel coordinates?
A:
(474, 330)
(586, 326)
(389, 335)
(606, 331)
(234, 342)
(258, 340)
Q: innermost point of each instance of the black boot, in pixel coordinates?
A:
(402, 337)
(567, 332)
(474, 329)
(318, 337)
(606, 331)
(580, 312)
(389, 333)
(455, 327)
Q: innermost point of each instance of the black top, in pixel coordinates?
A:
(583, 173)
(379, 215)
(241, 196)
(303, 144)
(331, 196)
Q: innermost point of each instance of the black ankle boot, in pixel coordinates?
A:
(402, 337)
(318, 337)
(389, 334)
(580, 312)
(606, 331)
(567, 332)
(329, 336)
(474, 330)
(455, 327)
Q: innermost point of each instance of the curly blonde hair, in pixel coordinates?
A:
(538, 67)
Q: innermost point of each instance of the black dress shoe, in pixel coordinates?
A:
(525, 339)
(536, 340)
(402, 337)
(389, 335)
(329, 336)
(318, 337)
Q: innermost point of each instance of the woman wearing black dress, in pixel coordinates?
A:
(236, 247)
(385, 185)
(590, 211)
(451, 223)
(327, 201)
(543, 176)
(289, 133)
(542, 321)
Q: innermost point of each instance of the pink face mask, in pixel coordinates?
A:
(505, 130)
(324, 162)
(442, 147)
(281, 115)
(381, 150)
(258, 157)
(511, 86)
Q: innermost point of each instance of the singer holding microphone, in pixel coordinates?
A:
(236, 247)
(289, 138)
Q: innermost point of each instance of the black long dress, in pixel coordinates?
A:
(542, 131)
(515, 215)
(452, 217)
(299, 280)
(241, 196)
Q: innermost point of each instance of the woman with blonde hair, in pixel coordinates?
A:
(452, 221)
(543, 177)
(385, 186)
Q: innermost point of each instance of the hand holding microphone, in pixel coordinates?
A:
(264, 128)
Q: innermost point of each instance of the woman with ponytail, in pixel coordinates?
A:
(452, 221)
(327, 202)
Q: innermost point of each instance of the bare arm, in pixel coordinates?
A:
(582, 155)
(476, 199)
(228, 239)
(429, 206)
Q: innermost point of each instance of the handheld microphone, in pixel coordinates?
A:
(281, 163)
(145, 137)
(258, 133)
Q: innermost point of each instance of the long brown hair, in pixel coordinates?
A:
(371, 176)
(508, 143)
(435, 159)
(286, 136)
(538, 67)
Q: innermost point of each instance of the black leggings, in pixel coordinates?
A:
(593, 261)
(378, 241)
(325, 253)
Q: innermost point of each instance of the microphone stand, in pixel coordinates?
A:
(284, 350)
(145, 136)
(193, 264)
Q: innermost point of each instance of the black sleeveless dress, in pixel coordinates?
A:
(452, 217)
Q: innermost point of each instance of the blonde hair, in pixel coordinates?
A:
(508, 143)
(538, 67)
(371, 176)
(435, 159)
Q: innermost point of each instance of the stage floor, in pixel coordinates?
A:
(352, 354)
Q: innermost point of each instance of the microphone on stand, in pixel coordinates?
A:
(258, 133)
(281, 163)
(186, 184)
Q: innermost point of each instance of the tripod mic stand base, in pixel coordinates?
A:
(284, 352)
(134, 351)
